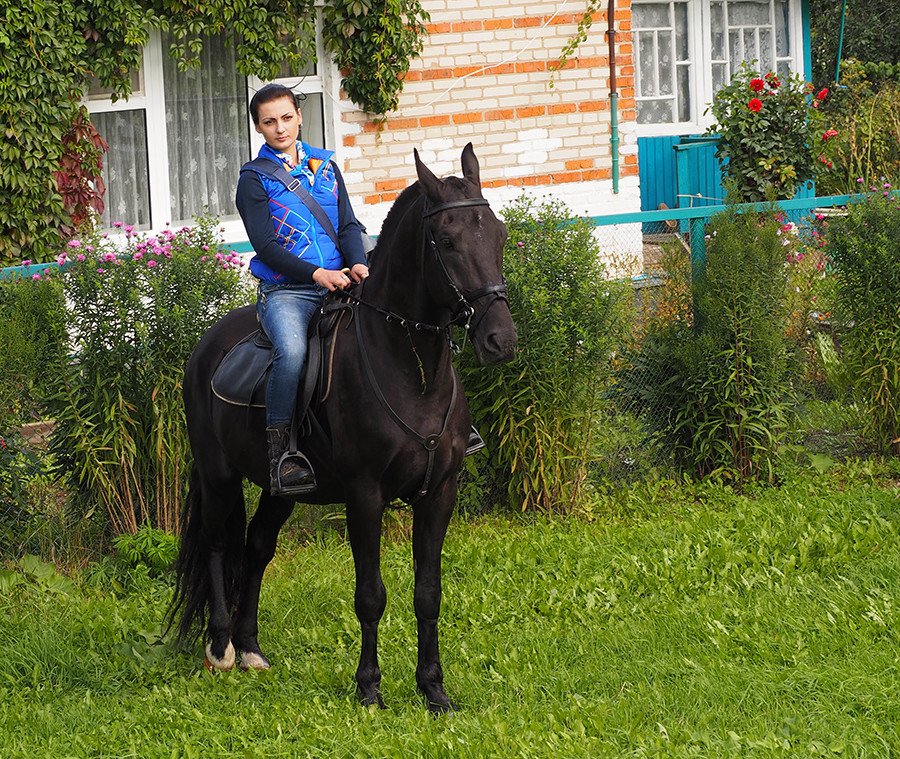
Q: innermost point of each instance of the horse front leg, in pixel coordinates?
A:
(430, 519)
(262, 535)
(364, 529)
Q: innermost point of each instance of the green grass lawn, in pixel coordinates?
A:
(681, 621)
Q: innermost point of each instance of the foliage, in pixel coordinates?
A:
(685, 621)
(51, 157)
(154, 548)
(767, 127)
(20, 464)
(871, 34)
(865, 114)
(32, 346)
(134, 316)
(714, 391)
(538, 410)
(864, 248)
(374, 42)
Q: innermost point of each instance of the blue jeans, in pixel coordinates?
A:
(284, 313)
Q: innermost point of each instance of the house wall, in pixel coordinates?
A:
(485, 76)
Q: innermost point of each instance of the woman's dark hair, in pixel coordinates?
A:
(267, 94)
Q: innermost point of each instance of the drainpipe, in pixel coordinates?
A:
(840, 50)
(613, 95)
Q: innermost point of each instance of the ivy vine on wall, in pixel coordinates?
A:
(50, 155)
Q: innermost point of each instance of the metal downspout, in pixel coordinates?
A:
(613, 95)
(840, 50)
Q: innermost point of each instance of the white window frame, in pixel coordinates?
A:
(151, 99)
(699, 20)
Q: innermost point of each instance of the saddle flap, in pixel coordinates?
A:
(240, 378)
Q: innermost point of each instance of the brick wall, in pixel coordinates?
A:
(486, 76)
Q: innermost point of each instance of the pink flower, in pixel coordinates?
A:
(204, 258)
(755, 105)
(138, 256)
(74, 243)
(151, 264)
(26, 262)
(101, 271)
(118, 224)
(89, 248)
(2, 444)
(80, 257)
(35, 276)
(204, 247)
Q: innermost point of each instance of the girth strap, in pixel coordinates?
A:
(430, 442)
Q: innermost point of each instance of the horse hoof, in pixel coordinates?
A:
(372, 698)
(214, 663)
(253, 660)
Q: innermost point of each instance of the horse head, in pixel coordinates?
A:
(464, 258)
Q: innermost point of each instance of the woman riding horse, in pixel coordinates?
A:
(394, 425)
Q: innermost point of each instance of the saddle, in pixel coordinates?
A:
(241, 377)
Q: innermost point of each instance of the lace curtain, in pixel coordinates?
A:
(125, 168)
(207, 131)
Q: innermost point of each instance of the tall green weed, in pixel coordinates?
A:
(865, 248)
(713, 392)
(134, 316)
(539, 411)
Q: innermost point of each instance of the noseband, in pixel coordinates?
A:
(465, 311)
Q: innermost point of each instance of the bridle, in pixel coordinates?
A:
(462, 316)
(465, 310)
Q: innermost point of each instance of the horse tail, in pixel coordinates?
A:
(189, 607)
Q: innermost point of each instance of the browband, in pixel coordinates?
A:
(465, 203)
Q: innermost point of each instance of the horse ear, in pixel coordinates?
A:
(430, 183)
(470, 165)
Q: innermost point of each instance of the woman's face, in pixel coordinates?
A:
(279, 123)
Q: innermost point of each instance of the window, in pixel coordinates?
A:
(663, 62)
(685, 50)
(177, 144)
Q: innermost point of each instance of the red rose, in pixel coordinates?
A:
(823, 93)
(755, 105)
(757, 84)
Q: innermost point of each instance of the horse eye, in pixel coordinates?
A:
(447, 243)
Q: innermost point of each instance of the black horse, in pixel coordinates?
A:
(397, 427)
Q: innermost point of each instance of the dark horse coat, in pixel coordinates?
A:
(397, 421)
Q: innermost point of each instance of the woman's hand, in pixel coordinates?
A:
(332, 279)
(359, 272)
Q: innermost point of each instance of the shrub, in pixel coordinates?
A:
(713, 393)
(537, 411)
(32, 346)
(134, 317)
(155, 549)
(770, 132)
(866, 253)
(865, 114)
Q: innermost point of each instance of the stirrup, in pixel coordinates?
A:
(301, 488)
(475, 442)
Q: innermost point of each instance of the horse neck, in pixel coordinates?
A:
(397, 284)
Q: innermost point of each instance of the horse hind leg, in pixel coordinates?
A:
(262, 535)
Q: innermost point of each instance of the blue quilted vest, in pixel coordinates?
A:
(295, 228)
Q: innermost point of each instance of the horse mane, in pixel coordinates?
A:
(403, 203)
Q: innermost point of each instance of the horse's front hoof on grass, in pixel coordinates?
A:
(222, 663)
(437, 701)
(254, 660)
(370, 696)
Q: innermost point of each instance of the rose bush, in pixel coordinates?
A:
(772, 135)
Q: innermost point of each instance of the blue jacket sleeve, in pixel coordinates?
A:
(253, 205)
(349, 229)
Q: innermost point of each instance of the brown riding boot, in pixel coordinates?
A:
(290, 473)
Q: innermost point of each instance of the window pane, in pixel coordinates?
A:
(647, 68)
(681, 32)
(782, 29)
(718, 76)
(97, 91)
(313, 113)
(684, 94)
(748, 13)
(286, 72)
(751, 51)
(207, 131)
(735, 50)
(665, 63)
(651, 15)
(766, 56)
(654, 111)
(127, 196)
